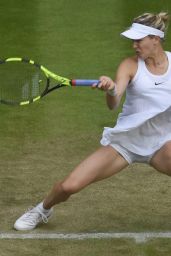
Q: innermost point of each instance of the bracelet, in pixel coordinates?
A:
(112, 92)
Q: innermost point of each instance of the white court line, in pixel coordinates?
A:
(139, 237)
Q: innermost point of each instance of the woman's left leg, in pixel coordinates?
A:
(161, 161)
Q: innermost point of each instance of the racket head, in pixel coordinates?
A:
(22, 81)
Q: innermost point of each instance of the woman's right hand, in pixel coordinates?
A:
(105, 84)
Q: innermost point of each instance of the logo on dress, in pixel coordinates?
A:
(158, 83)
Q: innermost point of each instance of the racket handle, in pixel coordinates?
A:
(83, 82)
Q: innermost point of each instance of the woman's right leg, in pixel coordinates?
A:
(102, 164)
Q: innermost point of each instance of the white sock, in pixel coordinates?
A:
(40, 205)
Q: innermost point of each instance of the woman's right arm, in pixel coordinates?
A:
(115, 89)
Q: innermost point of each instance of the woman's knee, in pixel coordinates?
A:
(70, 187)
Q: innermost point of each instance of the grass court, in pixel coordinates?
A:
(43, 142)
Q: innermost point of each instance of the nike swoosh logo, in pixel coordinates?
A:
(158, 83)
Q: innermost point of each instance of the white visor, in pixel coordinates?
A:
(138, 31)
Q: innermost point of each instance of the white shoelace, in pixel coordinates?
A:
(35, 215)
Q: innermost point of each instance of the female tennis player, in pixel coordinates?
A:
(143, 129)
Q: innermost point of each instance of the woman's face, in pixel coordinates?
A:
(144, 47)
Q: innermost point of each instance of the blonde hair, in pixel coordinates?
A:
(159, 21)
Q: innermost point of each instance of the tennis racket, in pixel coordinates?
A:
(24, 81)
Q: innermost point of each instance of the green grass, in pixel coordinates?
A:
(117, 247)
(43, 142)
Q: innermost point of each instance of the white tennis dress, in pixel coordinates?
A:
(144, 125)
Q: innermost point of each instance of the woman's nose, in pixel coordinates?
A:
(134, 44)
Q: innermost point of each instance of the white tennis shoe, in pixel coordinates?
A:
(32, 218)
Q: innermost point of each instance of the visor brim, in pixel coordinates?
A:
(134, 35)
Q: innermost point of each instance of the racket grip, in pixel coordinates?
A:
(84, 82)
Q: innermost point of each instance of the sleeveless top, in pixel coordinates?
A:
(144, 125)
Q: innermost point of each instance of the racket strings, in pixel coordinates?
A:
(20, 82)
